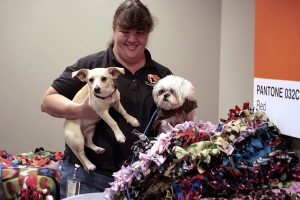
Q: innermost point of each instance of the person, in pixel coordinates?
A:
(132, 24)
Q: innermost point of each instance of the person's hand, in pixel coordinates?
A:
(181, 117)
(86, 111)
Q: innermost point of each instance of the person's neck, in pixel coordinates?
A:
(132, 66)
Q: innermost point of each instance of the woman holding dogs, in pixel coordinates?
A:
(132, 24)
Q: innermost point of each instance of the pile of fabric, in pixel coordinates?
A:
(39, 157)
(242, 157)
(33, 175)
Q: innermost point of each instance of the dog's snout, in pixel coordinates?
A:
(166, 96)
(97, 89)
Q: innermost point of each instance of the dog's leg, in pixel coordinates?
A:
(130, 119)
(75, 140)
(120, 137)
(88, 127)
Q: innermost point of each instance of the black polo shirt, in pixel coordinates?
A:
(136, 98)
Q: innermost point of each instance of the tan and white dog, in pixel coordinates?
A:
(103, 94)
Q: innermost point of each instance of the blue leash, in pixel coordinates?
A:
(150, 122)
(145, 133)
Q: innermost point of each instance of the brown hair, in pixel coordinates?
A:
(133, 14)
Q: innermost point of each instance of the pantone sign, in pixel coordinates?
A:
(277, 63)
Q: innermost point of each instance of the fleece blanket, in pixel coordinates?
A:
(33, 175)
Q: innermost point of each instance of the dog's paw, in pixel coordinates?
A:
(95, 148)
(90, 167)
(121, 138)
(98, 150)
(133, 121)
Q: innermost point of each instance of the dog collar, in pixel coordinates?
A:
(106, 96)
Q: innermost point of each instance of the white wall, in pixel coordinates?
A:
(237, 55)
(40, 38)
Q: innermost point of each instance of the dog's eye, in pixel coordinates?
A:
(160, 92)
(91, 80)
(172, 91)
(103, 79)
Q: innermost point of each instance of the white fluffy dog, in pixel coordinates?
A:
(103, 94)
(173, 95)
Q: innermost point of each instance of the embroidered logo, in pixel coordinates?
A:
(152, 79)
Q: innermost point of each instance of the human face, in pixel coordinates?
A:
(129, 45)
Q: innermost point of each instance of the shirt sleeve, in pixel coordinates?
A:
(65, 84)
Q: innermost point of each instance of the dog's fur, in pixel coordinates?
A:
(102, 95)
(173, 94)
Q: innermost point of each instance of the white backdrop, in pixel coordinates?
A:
(203, 41)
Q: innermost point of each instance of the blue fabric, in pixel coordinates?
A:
(89, 182)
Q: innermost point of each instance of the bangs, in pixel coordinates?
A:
(133, 17)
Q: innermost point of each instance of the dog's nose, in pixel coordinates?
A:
(97, 89)
(166, 96)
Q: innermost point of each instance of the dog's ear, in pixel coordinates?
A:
(116, 71)
(187, 89)
(155, 93)
(81, 74)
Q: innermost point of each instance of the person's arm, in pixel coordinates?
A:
(59, 106)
